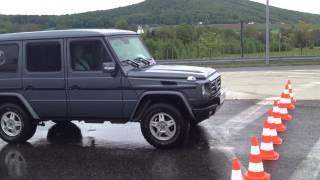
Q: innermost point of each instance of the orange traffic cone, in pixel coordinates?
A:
(236, 173)
(293, 100)
(277, 118)
(284, 115)
(267, 150)
(273, 133)
(255, 170)
(286, 99)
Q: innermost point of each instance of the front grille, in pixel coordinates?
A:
(213, 87)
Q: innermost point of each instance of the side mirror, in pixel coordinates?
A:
(109, 67)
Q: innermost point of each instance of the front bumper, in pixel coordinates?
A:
(208, 110)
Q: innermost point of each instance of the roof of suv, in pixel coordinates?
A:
(63, 34)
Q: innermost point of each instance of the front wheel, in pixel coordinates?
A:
(163, 126)
(15, 124)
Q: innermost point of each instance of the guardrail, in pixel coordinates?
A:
(230, 60)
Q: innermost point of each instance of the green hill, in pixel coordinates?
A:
(163, 12)
(172, 12)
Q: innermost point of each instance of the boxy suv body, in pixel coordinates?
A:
(97, 76)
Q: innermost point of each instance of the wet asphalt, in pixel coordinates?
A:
(108, 151)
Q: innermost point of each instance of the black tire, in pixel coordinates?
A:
(62, 122)
(194, 124)
(28, 126)
(64, 132)
(182, 126)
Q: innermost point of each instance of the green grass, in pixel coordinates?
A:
(262, 64)
(294, 52)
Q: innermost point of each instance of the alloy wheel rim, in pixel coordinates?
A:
(163, 126)
(11, 124)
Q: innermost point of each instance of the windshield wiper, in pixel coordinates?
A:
(144, 61)
(131, 62)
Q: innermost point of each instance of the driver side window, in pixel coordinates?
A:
(88, 55)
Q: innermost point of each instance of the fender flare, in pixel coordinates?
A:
(23, 101)
(174, 93)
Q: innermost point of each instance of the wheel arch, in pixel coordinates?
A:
(171, 97)
(20, 100)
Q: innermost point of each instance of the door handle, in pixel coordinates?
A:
(74, 87)
(29, 87)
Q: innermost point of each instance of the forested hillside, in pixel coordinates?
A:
(159, 12)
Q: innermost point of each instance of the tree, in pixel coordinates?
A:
(302, 36)
(210, 44)
(315, 36)
(121, 24)
(184, 33)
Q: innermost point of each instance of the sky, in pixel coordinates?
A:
(310, 6)
(59, 7)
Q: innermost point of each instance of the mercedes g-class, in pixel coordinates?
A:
(100, 75)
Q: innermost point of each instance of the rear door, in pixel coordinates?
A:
(93, 94)
(44, 77)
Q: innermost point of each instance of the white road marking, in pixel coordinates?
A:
(310, 167)
(304, 77)
(234, 125)
(292, 72)
(306, 73)
(242, 120)
(309, 70)
(303, 87)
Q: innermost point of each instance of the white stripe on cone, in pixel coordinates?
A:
(266, 132)
(277, 121)
(285, 101)
(291, 95)
(255, 150)
(255, 167)
(283, 111)
(273, 132)
(267, 146)
(271, 119)
(236, 175)
(286, 91)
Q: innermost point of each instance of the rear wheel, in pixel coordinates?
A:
(15, 124)
(163, 126)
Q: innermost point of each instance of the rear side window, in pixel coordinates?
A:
(43, 57)
(9, 55)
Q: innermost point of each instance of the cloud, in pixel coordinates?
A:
(59, 7)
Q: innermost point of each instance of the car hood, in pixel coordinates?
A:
(172, 71)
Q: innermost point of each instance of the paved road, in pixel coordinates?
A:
(90, 151)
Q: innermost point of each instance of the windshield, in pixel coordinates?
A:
(129, 48)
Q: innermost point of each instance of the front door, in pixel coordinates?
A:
(92, 93)
(44, 77)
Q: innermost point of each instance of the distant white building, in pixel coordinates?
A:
(140, 30)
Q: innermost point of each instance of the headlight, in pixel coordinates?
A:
(205, 90)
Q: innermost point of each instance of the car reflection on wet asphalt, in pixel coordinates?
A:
(67, 154)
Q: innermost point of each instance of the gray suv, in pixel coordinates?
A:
(96, 76)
